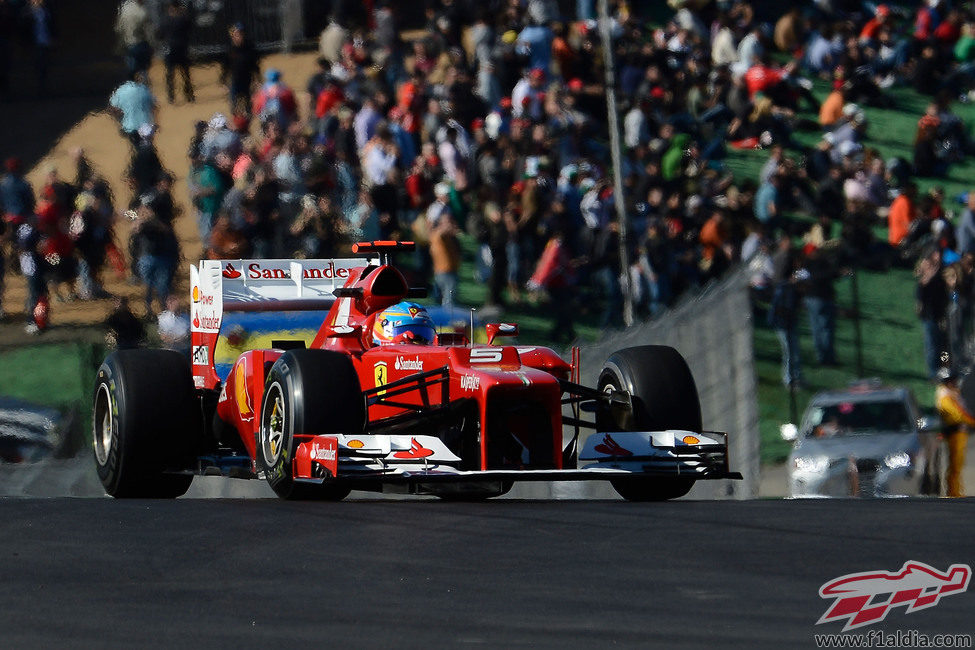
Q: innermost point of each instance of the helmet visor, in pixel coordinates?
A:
(423, 334)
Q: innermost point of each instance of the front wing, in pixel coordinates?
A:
(419, 458)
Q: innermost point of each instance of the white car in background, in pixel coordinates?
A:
(865, 441)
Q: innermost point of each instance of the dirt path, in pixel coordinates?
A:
(98, 135)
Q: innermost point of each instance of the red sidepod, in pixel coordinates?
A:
(239, 404)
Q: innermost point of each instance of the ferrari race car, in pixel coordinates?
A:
(300, 374)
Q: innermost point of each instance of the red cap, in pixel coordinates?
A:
(575, 85)
(537, 73)
(477, 123)
(882, 10)
(657, 92)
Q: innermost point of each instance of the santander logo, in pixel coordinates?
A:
(230, 272)
(403, 363)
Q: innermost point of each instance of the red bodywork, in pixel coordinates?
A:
(512, 388)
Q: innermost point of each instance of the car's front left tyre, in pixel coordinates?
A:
(307, 392)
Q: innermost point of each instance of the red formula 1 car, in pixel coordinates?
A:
(303, 372)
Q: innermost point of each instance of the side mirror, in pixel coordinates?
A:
(343, 331)
(495, 330)
(929, 424)
(789, 432)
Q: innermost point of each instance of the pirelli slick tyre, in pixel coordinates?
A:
(147, 424)
(307, 392)
(664, 396)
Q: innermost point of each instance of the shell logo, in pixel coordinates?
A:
(196, 294)
(355, 444)
(690, 440)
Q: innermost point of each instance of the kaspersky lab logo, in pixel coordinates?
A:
(866, 598)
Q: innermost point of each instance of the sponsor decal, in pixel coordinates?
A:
(355, 444)
(223, 393)
(485, 355)
(257, 271)
(470, 382)
(199, 382)
(611, 448)
(323, 452)
(382, 377)
(524, 378)
(201, 355)
(402, 363)
(413, 311)
(206, 323)
(230, 272)
(416, 450)
(195, 293)
(240, 392)
(866, 598)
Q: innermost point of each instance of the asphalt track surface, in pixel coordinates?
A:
(248, 573)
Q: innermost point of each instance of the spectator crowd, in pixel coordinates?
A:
(491, 121)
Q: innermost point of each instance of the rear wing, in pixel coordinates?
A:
(219, 288)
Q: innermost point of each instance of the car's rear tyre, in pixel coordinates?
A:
(664, 396)
(307, 392)
(146, 424)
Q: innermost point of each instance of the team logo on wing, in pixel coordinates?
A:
(416, 450)
(867, 598)
(611, 448)
(230, 272)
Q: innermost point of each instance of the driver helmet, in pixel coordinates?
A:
(404, 322)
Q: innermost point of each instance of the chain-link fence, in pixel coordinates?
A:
(271, 25)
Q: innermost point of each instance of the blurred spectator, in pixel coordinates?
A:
(783, 314)
(145, 168)
(932, 306)
(445, 253)
(134, 29)
(956, 421)
(966, 226)
(16, 194)
(29, 245)
(207, 187)
(275, 101)
(175, 36)
(125, 330)
(42, 39)
(239, 69)
(174, 327)
(819, 297)
(134, 104)
(155, 251)
(902, 213)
